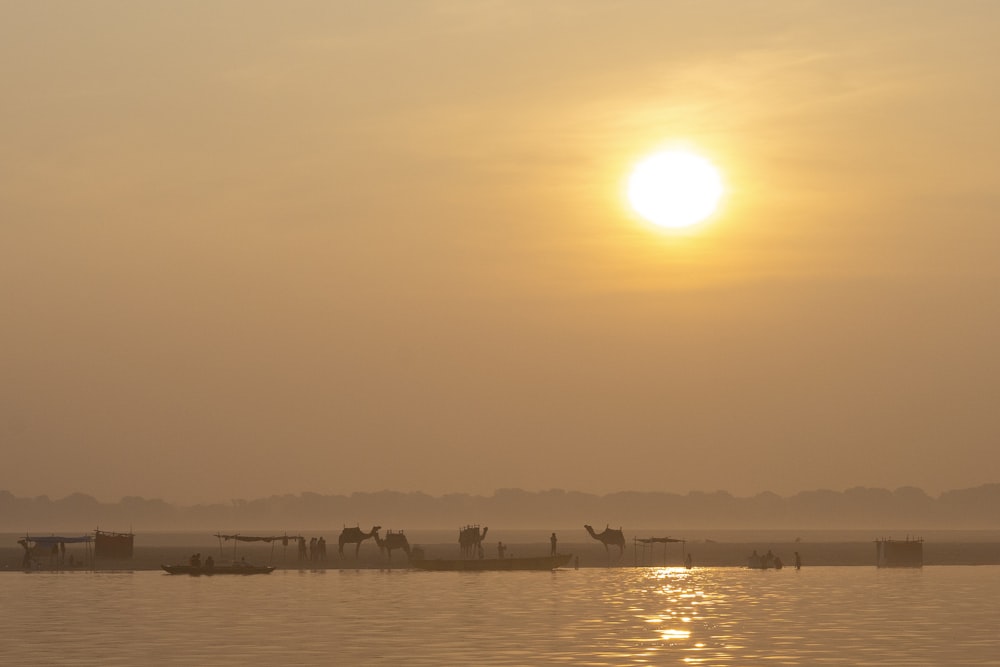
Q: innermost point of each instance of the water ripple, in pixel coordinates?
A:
(627, 616)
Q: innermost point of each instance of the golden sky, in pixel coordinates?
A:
(257, 247)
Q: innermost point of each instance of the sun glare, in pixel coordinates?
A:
(675, 189)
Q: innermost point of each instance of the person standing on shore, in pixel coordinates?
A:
(26, 561)
(553, 541)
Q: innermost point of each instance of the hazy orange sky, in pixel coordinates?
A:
(258, 247)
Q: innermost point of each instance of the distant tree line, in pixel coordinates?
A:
(972, 508)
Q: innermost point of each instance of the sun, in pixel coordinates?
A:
(675, 189)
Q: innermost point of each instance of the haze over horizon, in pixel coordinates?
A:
(196, 499)
(250, 248)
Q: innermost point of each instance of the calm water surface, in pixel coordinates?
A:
(724, 616)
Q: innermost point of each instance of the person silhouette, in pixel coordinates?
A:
(26, 561)
(553, 541)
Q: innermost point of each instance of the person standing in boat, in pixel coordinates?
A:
(553, 541)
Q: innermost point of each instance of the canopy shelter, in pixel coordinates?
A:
(49, 540)
(284, 539)
(648, 544)
(50, 550)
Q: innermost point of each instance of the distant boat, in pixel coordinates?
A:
(490, 564)
(766, 561)
(763, 566)
(201, 570)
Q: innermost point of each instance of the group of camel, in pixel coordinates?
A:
(470, 540)
(354, 535)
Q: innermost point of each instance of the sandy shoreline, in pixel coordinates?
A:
(588, 554)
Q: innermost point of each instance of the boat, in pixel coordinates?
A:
(196, 567)
(490, 564)
(761, 566)
(236, 568)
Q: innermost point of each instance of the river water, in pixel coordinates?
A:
(592, 616)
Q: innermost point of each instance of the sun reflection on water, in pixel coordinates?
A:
(665, 601)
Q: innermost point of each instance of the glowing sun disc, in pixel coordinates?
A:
(674, 189)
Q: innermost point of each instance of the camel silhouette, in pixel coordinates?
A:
(470, 540)
(353, 535)
(610, 536)
(393, 540)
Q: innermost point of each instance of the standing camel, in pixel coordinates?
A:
(393, 540)
(353, 535)
(471, 540)
(609, 536)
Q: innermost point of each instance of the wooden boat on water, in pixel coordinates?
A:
(196, 567)
(203, 570)
(490, 564)
(766, 561)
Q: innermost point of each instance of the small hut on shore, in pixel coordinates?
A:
(899, 553)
